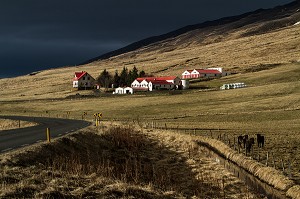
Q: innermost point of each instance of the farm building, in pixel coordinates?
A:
(200, 73)
(121, 90)
(156, 83)
(83, 80)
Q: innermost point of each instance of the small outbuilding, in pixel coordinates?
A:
(128, 90)
(120, 90)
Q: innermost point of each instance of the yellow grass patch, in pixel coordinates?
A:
(6, 124)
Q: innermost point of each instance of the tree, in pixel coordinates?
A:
(142, 74)
(124, 77)
(104, 79)
(130, 78)
(135, 73)
(116, 80)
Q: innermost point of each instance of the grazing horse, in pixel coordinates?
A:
(242, 139)
(260, 140)
(249, 144)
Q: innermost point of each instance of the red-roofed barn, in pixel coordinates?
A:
(156, 83)
(200, 73)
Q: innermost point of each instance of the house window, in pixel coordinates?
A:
(88, 78)
(83, 78)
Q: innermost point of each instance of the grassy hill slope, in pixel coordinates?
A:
(243, 43)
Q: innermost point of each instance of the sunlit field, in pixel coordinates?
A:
(6, 124)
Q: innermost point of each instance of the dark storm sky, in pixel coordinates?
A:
(41, 34)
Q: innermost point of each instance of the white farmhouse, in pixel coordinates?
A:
(83, 80)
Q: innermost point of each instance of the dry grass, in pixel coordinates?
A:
(117, 163)
(6, 124)
(235, 54)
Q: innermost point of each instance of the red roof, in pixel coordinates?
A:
(79, 75)
(151, 79)
(162, 82)
(208, 71)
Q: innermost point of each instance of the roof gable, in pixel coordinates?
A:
(79, 75)
(187, 72)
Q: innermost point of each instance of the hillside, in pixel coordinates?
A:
(263, 20)
(248, 42)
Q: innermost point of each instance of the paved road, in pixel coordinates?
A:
(17, 138)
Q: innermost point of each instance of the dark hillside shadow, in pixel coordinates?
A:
(121, 154)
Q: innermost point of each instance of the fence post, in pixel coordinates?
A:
(48, 135)
(290, 170)
(274, 165)
(19, 123)
(282, 164)
(267, 158)
(234, 147)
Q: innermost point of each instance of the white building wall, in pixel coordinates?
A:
(185, 84)
(144, 84)
(195, 74)
(75, 84)
(119, 90)
(135, 83)
(186, 75)
(128, 90)
(150, 86)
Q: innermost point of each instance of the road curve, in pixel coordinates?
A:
(17, 138)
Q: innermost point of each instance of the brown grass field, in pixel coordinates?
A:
(6, 124)
(118, 163)
(270, 104)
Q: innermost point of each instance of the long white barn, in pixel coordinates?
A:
(156, 83)
(200, 73)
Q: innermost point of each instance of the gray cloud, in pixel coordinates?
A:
(38, 34)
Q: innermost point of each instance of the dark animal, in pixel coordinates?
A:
(260, 140)
(249, 144)
(242, 139)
